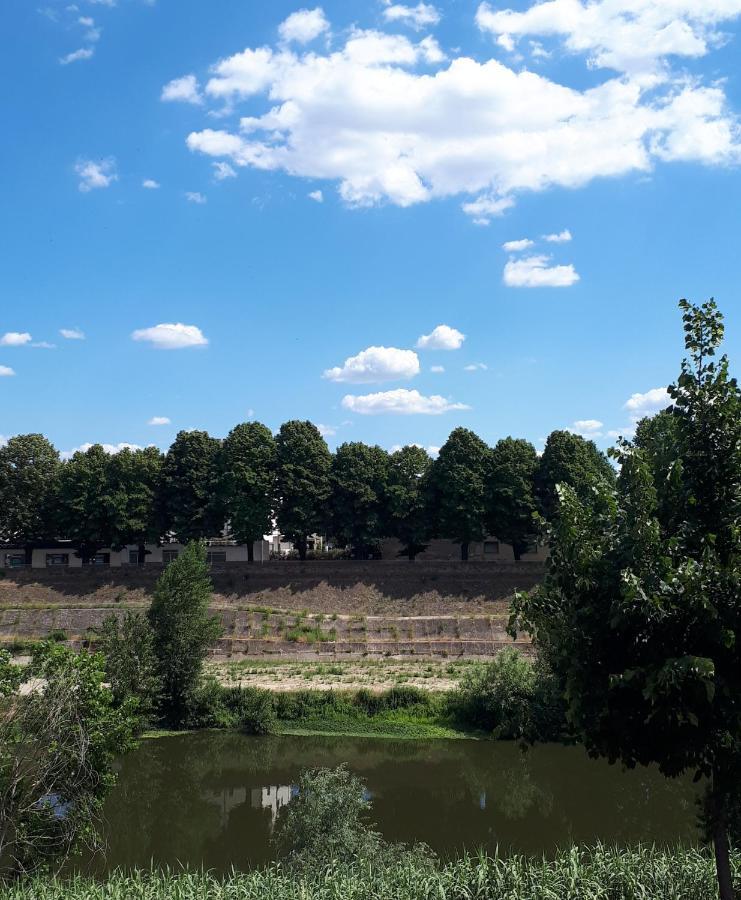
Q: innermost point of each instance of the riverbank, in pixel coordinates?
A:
(576, 874)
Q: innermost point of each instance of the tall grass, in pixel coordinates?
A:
(640, 873)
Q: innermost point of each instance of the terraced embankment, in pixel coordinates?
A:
(294, 610)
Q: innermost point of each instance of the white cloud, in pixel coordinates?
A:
(518, 246)
(6, 372)
(171, 336)
(475, 367)
(537, 271)
(150, 184)
(376, 364)
(15, 339)
(419, 16)
(303, 26)
(182, 90)
(587, 428)
(3, 440)
(437, 369)
(631, 36)
(640, 405)
(111, 449)
(95, 174)
(400, 402)
(223, 170)
(159, 420)
(196, 197)
(560, 237)
(431, 450)
(442, 337)
(43, 345)
(72, 334)
(76, 56)
(391, 120)
(317, 195)
(327, 430)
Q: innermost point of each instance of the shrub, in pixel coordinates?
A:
(253, 710)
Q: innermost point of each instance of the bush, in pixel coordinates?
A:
(206, 707)
(253, 710)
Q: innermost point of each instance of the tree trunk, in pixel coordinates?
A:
(720, 840)
(250, 551)
(29, 555)
(464, 551)
(411, 553)
(517, 551)
(301, 547)
(141, 554)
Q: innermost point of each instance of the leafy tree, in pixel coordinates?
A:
(407, 514)
(29, 465)
(457, 481)
(642, 626)
(246, 482)
(569, 459)
(183, 629)
(302, 482)
(134, 477)
(188, 487)
(87, 507)
(127, 645)
(510, 495)
(358, 482)
(57, 746)
(656, 437)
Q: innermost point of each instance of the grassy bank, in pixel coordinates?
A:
(576, 874)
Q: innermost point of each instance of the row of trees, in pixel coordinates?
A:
(252, 479)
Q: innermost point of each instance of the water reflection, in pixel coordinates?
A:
(212, 799)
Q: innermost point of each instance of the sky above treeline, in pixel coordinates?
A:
(391, 219)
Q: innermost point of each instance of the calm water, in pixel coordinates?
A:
(211, 798)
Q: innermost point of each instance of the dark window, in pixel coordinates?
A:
(216, 556)
(15, 560)
(57, 559)
(169, 556)
(491, 548)
(133, 557)
(100, 559)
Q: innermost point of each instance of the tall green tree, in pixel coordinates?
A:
(358, 483)
(569, 459)
(29, 466)
(643, 625)
(134, 477)
(457, 488)
(127, 645)
(657, 436)
(407, 513)
(247, 461)
(86, 502)
(183, 629)
(511, 508)
(188, 483)
(302, 482)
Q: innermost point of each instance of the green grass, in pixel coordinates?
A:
(639, 873)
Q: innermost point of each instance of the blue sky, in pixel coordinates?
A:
(429, 135)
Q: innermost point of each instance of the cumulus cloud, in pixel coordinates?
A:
(419, 16)
(196, 197)
(6, 372)
(376, 364)
(95, 175)
(171, 336)
(150, 184)
(518, 246)
(393, 120)
(318, 196)
(159, 420)
(442, 337)
(327, 430)
(182, 90)
(401, 402)
(303, 26)
(437, 370)
(76, 56)
(111, 449)
(640, 405)
(223, 170)
(588, 428)
(632, 37)
(560, 237)
(15, 339)
(72, 334)
(537, 271)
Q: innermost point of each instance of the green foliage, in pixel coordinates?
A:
(127, 645)
(188, 487)
(578, 873)
(406, 510)
(183, 629)
(11, 675)
(57, 746)
(249, 710)
(86, 505)
(134, 477)
(511, 509)
(640, 623)
(29, 466)
(358, 483)
(246, 481)
(457, 488)
(302, 482)
(569, 459)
